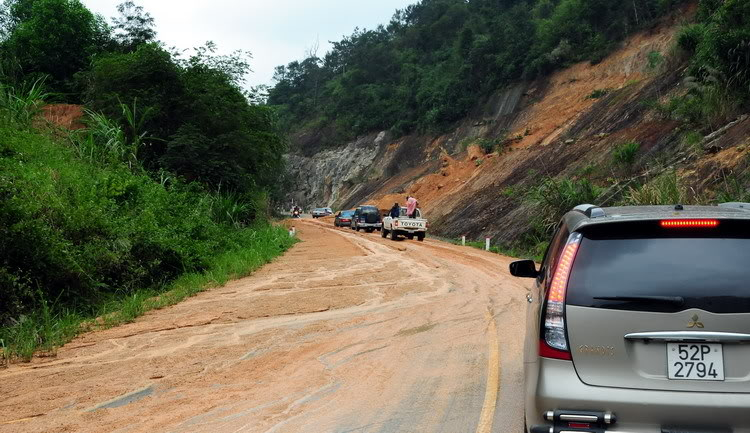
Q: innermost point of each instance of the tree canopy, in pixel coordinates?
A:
(186, 113)
(437, 58)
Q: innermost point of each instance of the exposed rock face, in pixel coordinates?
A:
(344, 176)
(326, 178)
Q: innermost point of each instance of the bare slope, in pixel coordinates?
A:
(565, 125)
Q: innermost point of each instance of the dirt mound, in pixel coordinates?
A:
(67, 116)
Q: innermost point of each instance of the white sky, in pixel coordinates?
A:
(275, 32)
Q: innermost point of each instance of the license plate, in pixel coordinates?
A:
(695, 361)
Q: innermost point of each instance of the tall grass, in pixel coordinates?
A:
(662, 190)
(86, 233)
(625, 153)
(22, 104)
(554, 197)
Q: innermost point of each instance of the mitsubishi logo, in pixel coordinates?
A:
(695, 322)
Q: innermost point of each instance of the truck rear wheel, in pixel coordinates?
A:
(384, 233)
(394, 235)
(420, 237)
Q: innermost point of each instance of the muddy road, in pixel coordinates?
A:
(348, 332)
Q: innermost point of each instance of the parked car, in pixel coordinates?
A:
(366, 217)
(403, 225)
(639, 321)
(321, 212)
(343, 218)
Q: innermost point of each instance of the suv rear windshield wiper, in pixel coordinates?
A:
(664, 299)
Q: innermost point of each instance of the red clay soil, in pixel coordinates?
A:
(554, 106)
(66, 116)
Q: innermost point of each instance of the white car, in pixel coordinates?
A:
(403, 225)
(321, 212)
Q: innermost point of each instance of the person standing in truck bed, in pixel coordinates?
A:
(395, 210)
(411, 206)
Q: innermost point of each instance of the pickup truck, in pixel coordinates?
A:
(403, 225)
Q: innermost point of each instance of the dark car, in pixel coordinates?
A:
(367, 217)
(639, 321)
(343, 218)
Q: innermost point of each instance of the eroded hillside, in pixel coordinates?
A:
(564, 126)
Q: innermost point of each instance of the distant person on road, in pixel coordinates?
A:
(395, 210)
(411, 206)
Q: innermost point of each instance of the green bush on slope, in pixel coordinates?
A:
(83, 236)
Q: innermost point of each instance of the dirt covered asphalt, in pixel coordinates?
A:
(347, 332)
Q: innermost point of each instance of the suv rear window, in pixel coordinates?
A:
(666, 270)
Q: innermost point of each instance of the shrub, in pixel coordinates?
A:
(598, 93)
(662, 190)
(693, 140)
(82, 227)
(625, 153)
(655, 59)
(690, 36)
(489, 145)
(554, 197)
(707, 105)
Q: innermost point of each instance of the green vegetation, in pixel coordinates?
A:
(506, 250)
(554, 197)
(166, 191)
(488, 145)
(664, 189)
(693, 140)
(625, 153)
(84, 235)
(435, 59)
(655, 60)
(598, 93)
(719, 48)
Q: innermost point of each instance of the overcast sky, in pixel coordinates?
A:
(274, 31)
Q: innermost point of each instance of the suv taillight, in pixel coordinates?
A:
(554, 343)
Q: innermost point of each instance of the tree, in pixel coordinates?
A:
(133, 27)
(200, 123)
(53, 37)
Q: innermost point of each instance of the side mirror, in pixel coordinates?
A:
(524, 269)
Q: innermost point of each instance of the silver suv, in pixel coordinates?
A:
(639, 321)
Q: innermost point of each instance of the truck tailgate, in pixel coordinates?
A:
(410, 224)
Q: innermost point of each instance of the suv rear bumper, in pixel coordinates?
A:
(369, 225)
(553, 384)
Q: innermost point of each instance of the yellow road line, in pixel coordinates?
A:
(493, 380)
(21, 420)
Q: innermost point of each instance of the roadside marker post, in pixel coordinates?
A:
(487, 244)
(463, 240)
